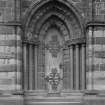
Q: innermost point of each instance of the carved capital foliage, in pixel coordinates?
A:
(75, 41)
(31, 38)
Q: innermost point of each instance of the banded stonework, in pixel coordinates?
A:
(52, 52)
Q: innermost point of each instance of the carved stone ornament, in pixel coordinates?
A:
(30, 37)
(53, 79)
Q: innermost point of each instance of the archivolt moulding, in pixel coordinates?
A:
(39, 3)
(37, 14)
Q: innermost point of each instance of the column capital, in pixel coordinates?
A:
(77, 45)
(71, 46)
(83, 45)
(36, 46)
(36, 43)
(90, 27)
(24, 42)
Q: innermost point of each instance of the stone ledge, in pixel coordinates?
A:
(94, 93)
(91, 92)
(94, 100)
(11, 93)
(11, 23)
(11, 100)
(76, 41)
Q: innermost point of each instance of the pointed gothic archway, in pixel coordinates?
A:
(54, 48)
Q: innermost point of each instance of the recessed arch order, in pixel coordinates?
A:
(54, 28)
(39, 12)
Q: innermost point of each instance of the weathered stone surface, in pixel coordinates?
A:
(11, 100)
(11, 36)
(94, 100)
(6, 10)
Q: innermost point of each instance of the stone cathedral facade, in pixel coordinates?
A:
(52, 52)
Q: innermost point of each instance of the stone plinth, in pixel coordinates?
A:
(7, 98)
(32, 98)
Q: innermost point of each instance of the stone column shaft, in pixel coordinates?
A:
(30, 67)
(35, 66)
(71, 65)
(77, 67)
(83, 66)
(25, 66)
(90, 59)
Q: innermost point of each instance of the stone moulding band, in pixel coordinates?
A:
(76, 41)
(68, 43)
(10, 23)
(31, 42)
